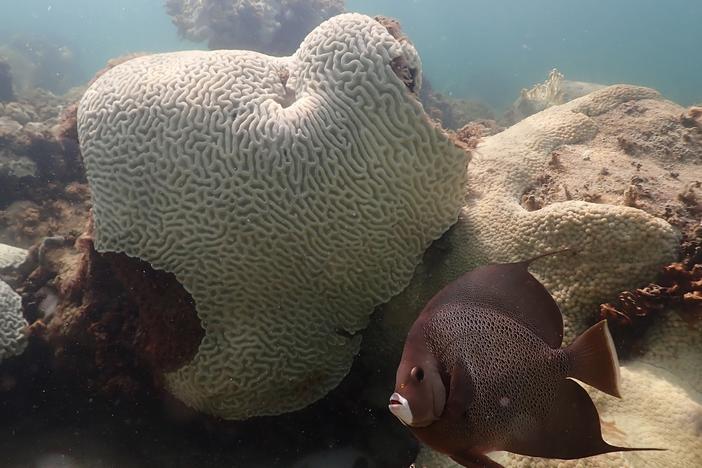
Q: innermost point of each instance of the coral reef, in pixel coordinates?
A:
(654, 412)
(554, 91)
(272, 27)
(288, 195)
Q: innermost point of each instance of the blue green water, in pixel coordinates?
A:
(481, 49)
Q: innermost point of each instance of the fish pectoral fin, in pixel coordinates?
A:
(475, 460)
(460, 392)
(571, 429)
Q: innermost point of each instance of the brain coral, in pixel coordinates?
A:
(274, 27)
(289, 196)
(652, 413)
(12, 337)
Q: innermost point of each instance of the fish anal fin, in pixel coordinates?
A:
(593, 359)
(570, 430)
(473, 460)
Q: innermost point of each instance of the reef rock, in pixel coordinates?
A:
(554, 91)
(288, 195)
(272, 27)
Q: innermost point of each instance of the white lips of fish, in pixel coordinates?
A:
(399, 406)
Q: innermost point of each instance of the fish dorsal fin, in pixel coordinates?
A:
(508, 289)
(571, 428)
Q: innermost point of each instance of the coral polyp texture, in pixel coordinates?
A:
(270, 26)
(288, 195)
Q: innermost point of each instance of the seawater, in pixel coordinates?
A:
(479, 49)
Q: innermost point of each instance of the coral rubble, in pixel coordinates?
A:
(273, 27)
(298, 195)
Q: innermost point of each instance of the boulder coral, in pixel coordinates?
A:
(288, 195)
(612, 247)
(273, 27)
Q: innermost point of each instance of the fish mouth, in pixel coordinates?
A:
(399, 406)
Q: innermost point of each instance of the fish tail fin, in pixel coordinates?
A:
(593, 359)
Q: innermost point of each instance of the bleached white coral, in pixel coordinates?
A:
(288, 195)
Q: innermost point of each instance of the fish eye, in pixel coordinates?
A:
(418, 373)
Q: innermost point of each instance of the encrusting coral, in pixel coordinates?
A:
(654, 412)
(288, 195)
(272, 27)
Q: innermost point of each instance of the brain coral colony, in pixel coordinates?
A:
(260, 25)
(288, 195)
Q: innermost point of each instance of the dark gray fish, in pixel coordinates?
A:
(483, 370)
